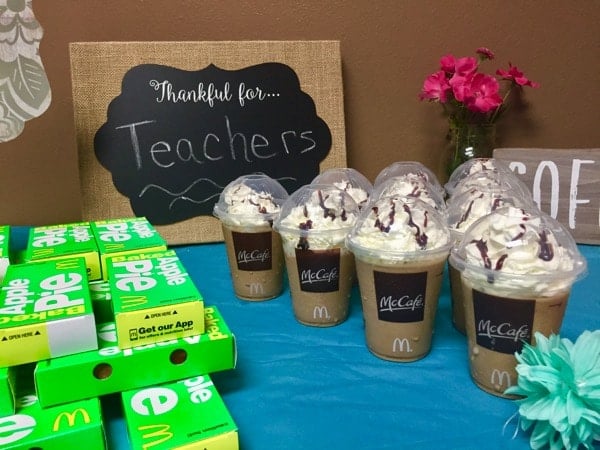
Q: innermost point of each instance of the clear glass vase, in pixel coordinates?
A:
(468, 141)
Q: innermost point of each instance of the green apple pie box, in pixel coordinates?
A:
(154, 299)
(45, 312)
(65, 241)
(110, 369)
(73, 426)
(4, 250)
(101, 301)
(188, 414)
(7, 396)
(125, 236)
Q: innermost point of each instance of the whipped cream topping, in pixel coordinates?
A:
(482, 165)
(410, 168)
(473, 166)
(516, 242)
(394, 225)
(473, 205)
(358, 194)
(246, 206)
(410, 186)
(320, 222)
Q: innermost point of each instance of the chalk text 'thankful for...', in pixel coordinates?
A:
(209, 93)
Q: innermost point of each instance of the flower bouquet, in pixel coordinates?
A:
(473, 101)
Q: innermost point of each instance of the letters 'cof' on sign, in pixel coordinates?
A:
(564, 183)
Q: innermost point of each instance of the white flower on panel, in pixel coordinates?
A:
(24, 89)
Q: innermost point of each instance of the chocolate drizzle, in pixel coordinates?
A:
(379, 224)
(546, 249)
(500, 262)
(483, 251)
(261, 209)
(487, 262)
(420, 236)
(327, 212)
(303, 241)
(521, 234)
(466, 214)
(498, 202)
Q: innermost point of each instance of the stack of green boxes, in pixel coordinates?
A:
(98, 308)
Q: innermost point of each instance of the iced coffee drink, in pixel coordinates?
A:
(517, 267)
(247, 207)
(401, 245)
(313, 224)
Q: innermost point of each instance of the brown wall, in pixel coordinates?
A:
(388, 47)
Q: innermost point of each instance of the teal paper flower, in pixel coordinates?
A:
(560, 385)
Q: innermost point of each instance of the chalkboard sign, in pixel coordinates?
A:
(163, 127)
(175, 138)
(564, 184)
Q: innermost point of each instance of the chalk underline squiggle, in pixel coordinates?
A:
(181, 197)
(160, 188)
(191, 200)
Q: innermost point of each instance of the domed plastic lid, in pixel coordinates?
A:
(519, 251)
(472, 166)
(406, 168)
(399, 228)
(492, 179)
(317, 208)
(410, 185)
(465, 208)
(349, 180)
(250, 199)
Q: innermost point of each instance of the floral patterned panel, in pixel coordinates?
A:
(24, 89)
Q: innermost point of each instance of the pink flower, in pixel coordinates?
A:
(458, 66)
(484, 53)
(465, 66)
(435, 87)
(469, 95)
(514, 74)
(461, 86)
(447, 63)
(483, 96)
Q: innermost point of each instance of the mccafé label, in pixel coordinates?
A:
(400, 296)
(318, 270)
(502, 324)
(253, 251)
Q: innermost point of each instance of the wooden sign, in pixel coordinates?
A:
(163, 127)
(565, 184)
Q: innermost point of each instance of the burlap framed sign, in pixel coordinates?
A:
(162, 127)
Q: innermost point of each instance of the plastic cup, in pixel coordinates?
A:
(349, 180)
(313, 224)
(400, 246)
(463, 210)
(247, 207)
(517, 269)
(410, 168)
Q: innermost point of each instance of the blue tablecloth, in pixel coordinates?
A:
(299, 387)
